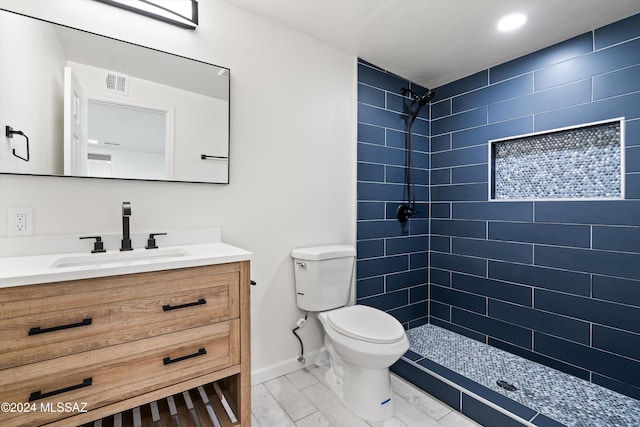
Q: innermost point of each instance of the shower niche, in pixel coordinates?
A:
(578, 162)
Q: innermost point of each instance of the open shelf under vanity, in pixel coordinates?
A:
(185, 409)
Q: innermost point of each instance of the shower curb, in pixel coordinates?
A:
(472, 399)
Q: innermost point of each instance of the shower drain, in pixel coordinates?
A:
(506, 385)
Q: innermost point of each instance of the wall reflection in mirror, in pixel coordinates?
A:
(99, 107)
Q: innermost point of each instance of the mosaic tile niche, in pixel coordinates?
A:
(576, 163)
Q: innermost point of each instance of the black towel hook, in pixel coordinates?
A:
(9, 132)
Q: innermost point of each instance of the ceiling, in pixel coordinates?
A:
(433, 42)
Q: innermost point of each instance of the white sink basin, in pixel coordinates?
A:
(125, 258)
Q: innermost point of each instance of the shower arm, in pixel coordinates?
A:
(411, 183)
(405, 210)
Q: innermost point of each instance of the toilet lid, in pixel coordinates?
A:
(366, 324)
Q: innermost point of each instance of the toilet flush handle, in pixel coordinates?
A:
(301, 264)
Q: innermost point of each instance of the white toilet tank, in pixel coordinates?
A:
(323, 276)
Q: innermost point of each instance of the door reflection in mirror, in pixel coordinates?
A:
(134, 138)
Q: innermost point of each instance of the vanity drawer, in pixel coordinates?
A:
(104, 376)
(157, 309)
(62, 296)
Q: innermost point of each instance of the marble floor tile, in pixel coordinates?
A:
(266, 409)
(302, 379)
(314, 420)
(295, 404)
(411, 415)
(303, 399)
(455, 419)
(331, 407)
(418, 398)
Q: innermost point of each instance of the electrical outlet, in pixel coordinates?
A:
(20, 222)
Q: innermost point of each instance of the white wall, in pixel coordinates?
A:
(129, 164)
(28, 79)
(293, 159)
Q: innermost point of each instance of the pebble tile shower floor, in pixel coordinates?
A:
(562, 397)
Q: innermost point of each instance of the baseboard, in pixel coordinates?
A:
(287, 366)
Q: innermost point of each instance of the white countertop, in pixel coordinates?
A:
(33, 269)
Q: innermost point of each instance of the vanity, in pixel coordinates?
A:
(135, 339)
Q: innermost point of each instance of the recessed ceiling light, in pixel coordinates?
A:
(511, 22)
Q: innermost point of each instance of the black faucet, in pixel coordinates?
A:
(126, 238)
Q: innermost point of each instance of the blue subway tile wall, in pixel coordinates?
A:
(618, 32)
(557, 282)
(555, 54)
(392, 260)
(588, 66)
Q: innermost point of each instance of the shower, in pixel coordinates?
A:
(405, 210)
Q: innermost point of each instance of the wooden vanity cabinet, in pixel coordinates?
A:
(115, 343)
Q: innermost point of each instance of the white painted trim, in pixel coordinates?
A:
(287, 366)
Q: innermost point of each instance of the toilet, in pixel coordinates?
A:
(362, 341)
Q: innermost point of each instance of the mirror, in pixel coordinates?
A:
(92, 106)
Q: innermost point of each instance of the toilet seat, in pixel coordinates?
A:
(367, 324)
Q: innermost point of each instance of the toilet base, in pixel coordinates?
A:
(366, 392)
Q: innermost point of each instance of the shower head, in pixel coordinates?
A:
(421, 100)
(426, 98)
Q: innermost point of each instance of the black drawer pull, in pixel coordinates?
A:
(36, 395)
(37, 330)
(168, 360)
(191, 304)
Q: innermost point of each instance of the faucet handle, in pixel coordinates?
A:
(151, 241)
(98, 245)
